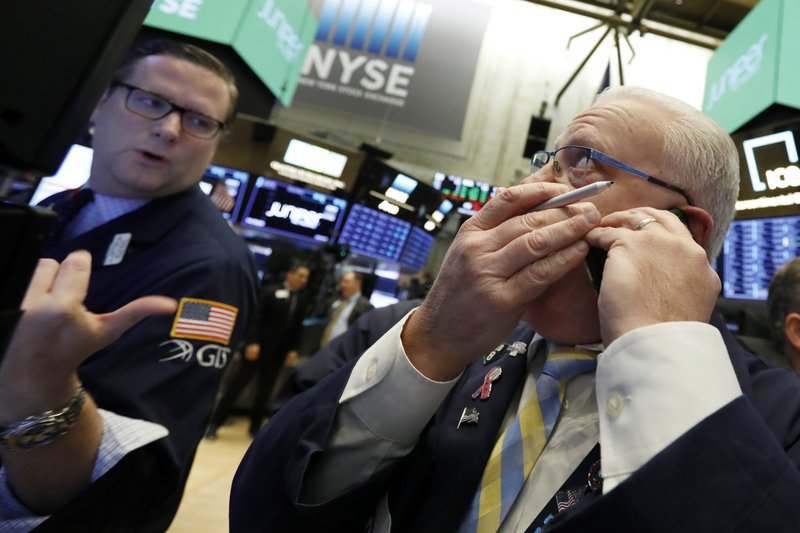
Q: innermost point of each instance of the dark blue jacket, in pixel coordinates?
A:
(180, 247)
(737, 470)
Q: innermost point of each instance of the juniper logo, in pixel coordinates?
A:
(735, 76)
(392, 28)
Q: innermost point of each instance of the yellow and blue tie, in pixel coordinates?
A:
(520, 445)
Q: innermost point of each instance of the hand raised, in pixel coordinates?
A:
(57, 333)
(501, 259)
(655, 274)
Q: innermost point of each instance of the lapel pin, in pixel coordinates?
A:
(517, 348)
(469, 415)
(486, 389)
(491, 355)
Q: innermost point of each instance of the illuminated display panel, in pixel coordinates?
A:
(769, 163)
(277, 207)
(468, 195)
(314, 157)
(386, 189)
(226, 188)
(374, 233)
(73, 172)
(415, 252)
(754, 249)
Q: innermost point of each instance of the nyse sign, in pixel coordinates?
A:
(384, 60)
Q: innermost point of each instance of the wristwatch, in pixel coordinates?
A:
(43, 428)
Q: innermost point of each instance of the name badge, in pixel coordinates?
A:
(281, 294)
(116, 250)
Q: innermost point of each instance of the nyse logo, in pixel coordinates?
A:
(776, 178)
(392, 28)
(208, 356)
(359, 32)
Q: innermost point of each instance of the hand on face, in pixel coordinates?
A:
(655, 274)
(57, 333)
(501, 259)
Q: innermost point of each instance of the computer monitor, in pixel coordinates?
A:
(468, 195)
(292, 211)
(753, 250)
(374, 233)
(417, 247)
(226, 188)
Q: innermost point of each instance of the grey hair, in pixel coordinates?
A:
(701, 157)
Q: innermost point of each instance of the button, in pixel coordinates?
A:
(372, 369)
(614, 404)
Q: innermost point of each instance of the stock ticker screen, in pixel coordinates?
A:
(754, 249)
(469, 196)
(415, 252)
(374, 233)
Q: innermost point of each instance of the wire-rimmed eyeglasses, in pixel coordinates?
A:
(577, 162)
(154, 107)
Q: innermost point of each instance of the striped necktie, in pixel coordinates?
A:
(520, 445)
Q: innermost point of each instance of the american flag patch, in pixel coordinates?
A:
(204, 320)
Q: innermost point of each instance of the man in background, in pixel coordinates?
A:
(350, 305)
(149, 230)
(783, 308)
(272, 341)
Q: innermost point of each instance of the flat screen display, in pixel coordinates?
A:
(226, 188)
(390, 191)
(314, 157)
(73, 172)
(416, 249)
(754, 249)
(468, 195)
(374, 233)
(278, 207)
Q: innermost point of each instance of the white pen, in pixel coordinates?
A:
(573, 196)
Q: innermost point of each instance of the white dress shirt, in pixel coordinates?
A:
(651, 386)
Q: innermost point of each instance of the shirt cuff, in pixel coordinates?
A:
(653, 385)
(121, 435)
(388, 394)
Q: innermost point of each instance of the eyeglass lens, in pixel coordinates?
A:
(576, 161)
(154, 107)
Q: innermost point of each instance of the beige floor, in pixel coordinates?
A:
(204, 508)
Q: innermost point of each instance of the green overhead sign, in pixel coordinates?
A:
(756, 66)
(272, 36)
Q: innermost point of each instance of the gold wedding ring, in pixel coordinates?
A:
(645, 221)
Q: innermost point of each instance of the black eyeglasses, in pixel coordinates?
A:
(577, 161)
(154, 107)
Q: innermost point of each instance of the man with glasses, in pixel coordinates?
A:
(524, 395)
(131, 415)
